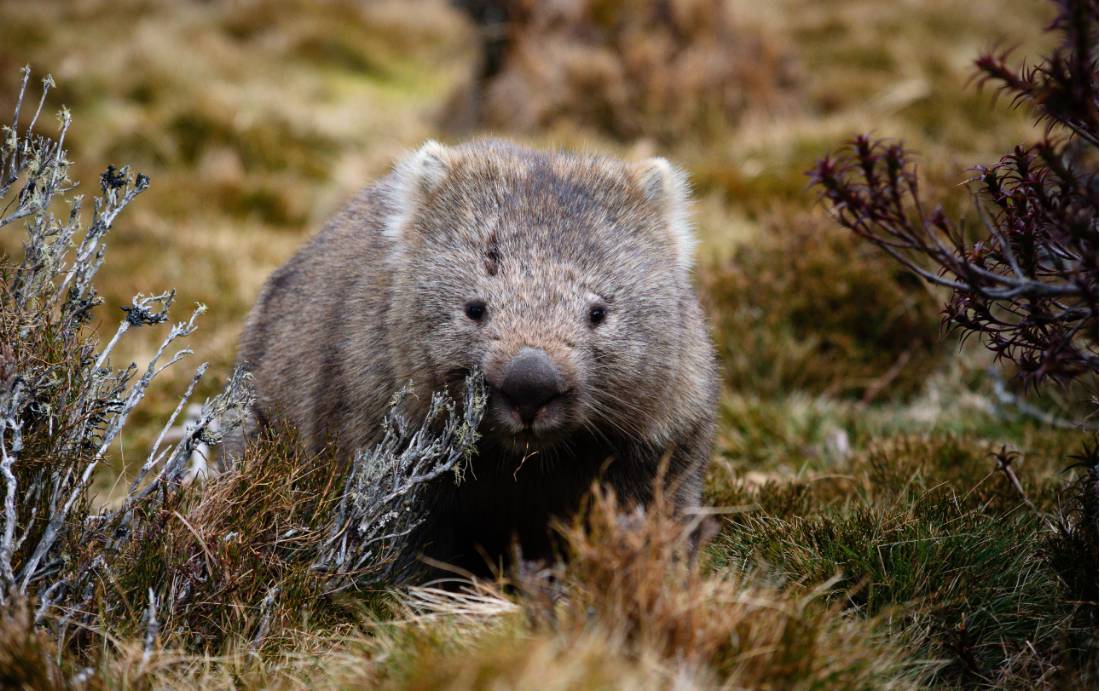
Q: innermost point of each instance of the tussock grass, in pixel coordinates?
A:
(226, 549)
(927, 534)
(806, 309)
(632, 609)
(26, 653)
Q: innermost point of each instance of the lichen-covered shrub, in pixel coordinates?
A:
(206, 566)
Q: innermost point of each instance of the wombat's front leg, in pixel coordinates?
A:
(676, 470)
(692, 456)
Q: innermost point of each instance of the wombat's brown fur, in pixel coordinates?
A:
(564, 278)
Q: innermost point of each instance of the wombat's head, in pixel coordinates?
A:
(564, 278)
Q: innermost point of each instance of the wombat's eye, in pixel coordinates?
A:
(596, 314)
(475, 310)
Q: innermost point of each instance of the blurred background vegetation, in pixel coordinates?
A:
(256, 119)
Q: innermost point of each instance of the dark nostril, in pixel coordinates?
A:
(530, 383)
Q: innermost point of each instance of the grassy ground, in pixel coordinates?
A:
(870, 540)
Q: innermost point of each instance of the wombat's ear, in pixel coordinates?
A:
(415, 176)
(666, 186)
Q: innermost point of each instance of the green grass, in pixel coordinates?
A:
(924, 533)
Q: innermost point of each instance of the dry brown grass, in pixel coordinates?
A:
(26, 652)
(632, 609)
(807, 309)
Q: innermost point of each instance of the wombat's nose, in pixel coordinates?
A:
(531, 382)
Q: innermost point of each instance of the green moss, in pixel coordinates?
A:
(271, 145)
(341, 50)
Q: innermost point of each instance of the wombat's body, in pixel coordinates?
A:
(565, 279)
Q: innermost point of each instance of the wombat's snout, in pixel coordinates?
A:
(531, 383)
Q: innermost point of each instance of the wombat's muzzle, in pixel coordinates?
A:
(531, 387)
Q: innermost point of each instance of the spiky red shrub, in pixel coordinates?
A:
(1023, 271)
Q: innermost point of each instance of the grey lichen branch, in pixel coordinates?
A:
(384, 495)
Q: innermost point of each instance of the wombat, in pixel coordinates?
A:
(565, 279)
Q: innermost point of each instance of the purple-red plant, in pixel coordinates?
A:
(1024, 274)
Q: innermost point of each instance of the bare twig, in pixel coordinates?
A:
(152, 628)
(7, 459)
(266, 608)
(1004, 459)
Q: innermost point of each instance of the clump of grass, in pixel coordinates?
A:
(808, 309)
(630, 597)
(634, 574)
(668, 70)
(928, 534)
(231, 562)
(26, 653)
(1072, 548)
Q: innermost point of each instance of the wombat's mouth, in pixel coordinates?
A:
(526, 442)
(529, 431)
